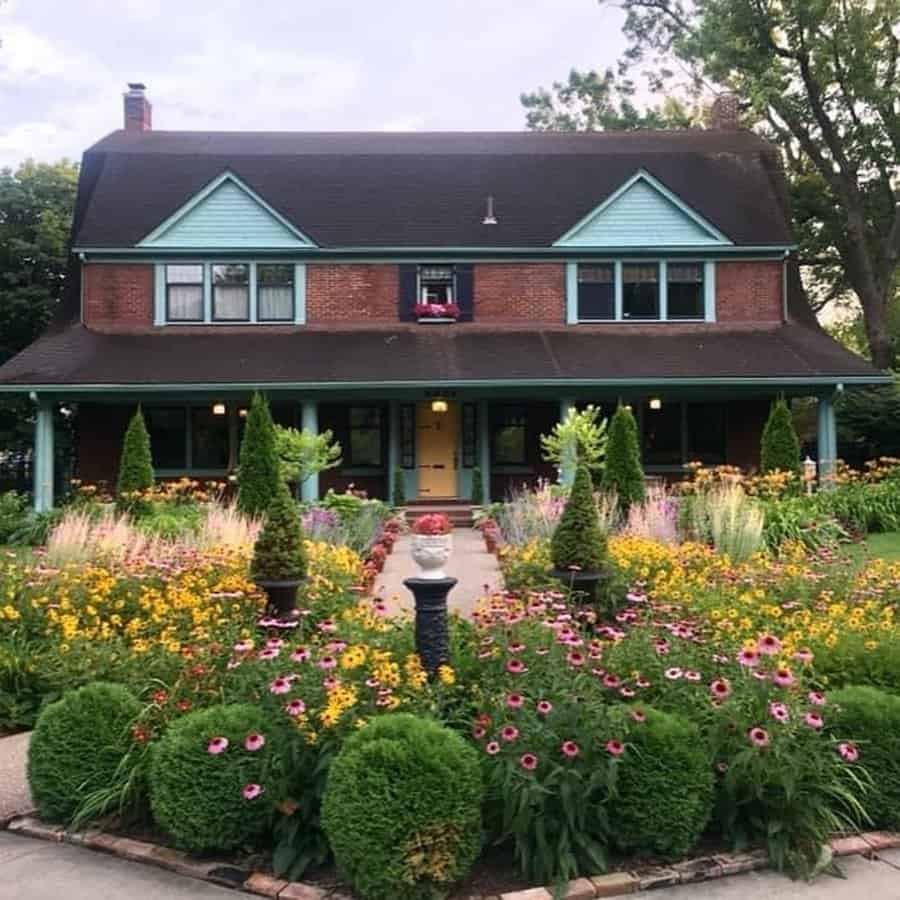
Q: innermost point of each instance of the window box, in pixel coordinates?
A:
(436, 313)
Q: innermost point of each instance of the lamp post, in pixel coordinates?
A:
(809, 473)
(432, 628)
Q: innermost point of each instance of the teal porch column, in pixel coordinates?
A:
(569, 459)
(827, 438)
(42, 464)
(484, 447)
(309, 418)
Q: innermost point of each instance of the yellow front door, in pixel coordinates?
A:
(436, 434)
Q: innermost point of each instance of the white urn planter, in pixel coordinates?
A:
(430, 552)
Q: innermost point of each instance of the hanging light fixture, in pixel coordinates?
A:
(439, 405)
(218, 409)
(242, 412)
(655, 403)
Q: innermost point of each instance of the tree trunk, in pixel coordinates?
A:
(874, 305)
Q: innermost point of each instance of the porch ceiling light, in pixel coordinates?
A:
(655, 403)
(439, 406)
(242, 412)
(218, 409)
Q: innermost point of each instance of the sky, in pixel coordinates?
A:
(401, 65)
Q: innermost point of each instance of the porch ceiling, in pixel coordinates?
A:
(74, 358)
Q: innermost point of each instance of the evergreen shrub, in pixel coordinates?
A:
(622, 474)
(259, 476)
(402, 808)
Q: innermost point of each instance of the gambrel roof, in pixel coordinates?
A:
(370, 190)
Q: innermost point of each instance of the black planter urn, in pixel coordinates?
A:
(583, 585)
(432, 627)
(281, 594)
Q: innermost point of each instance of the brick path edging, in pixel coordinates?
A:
(615, 884)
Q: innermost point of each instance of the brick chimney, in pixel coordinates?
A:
(725, 112)
(138, 111)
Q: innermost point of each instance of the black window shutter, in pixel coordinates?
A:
(465, 289)
(409, 279)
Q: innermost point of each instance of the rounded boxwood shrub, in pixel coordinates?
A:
(207, 790)
(402, 808)
(665, 787)
(869, 721)
(77, 745)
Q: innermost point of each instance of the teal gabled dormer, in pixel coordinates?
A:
(643, 213)
(227, 214)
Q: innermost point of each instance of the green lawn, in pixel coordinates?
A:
(877, 546)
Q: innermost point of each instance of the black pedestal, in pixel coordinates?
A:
(432, 630)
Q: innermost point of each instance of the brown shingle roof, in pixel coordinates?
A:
(428, 189)
(73, 356)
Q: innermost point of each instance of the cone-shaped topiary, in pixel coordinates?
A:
(477, 487)
(278, 553)
(780, 448)
(259, 477)
(77, 746)
(622, 473)
(402, 808)
(668, 762)
(136, 462)
(578, 541)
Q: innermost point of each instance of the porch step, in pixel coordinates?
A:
(459, 512)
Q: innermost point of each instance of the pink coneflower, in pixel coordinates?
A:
(254, 742)
(372, 682)
(803, 655)
(478, 732)
(758, 736)
(783, 677)
(779, 712)
(642, 682)
(331, 682)
(815, 698)
(627, 692)
(720, 689)
(544, 707)
(516, 667)
(492, 748)
(327, 625)
(516, 647)
(295, 708)
(638, 715)
(243, 646)
(301, 654)
(769, 645)
(280, 686)
(615, 748)
(509, 733)
(528, 761)
(574, 658)
(661, 646)
(720, 658)
(274, 644)
(691, 675)
(611, 681)
(748, 657)
(814, 720)
(327, 662)
(570, 749)
(760, 675)
(217, 745)
(541, 651)
(673, 674)
(515, 701)
(848, 752)
(268, 653)
(252, 791)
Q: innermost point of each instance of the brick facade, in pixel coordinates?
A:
(118, 296)
(520, 292)
(352, 292)
(749, 291)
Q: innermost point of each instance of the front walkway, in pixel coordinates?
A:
(476, 570)
(15, 799)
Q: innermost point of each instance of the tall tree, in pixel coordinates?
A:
(820, 78)
(37, 201)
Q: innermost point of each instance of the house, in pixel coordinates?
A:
(437, 300)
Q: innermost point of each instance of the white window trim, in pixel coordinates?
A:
(709, 291)
(159, 293)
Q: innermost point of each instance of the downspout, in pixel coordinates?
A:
(784, 286)
(82, 259)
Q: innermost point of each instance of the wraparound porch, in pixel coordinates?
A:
(436, 439)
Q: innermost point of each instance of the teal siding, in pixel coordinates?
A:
(640, 217)
(228, 218)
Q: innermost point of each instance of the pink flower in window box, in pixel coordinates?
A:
(437, 311)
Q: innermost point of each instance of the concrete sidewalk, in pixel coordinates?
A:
(15, 799)
(873, 880)
(41, 870)
(470, 563)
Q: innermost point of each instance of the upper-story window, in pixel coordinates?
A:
(184, 293)
(632, 291)
(230, 293)
(437, 285)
